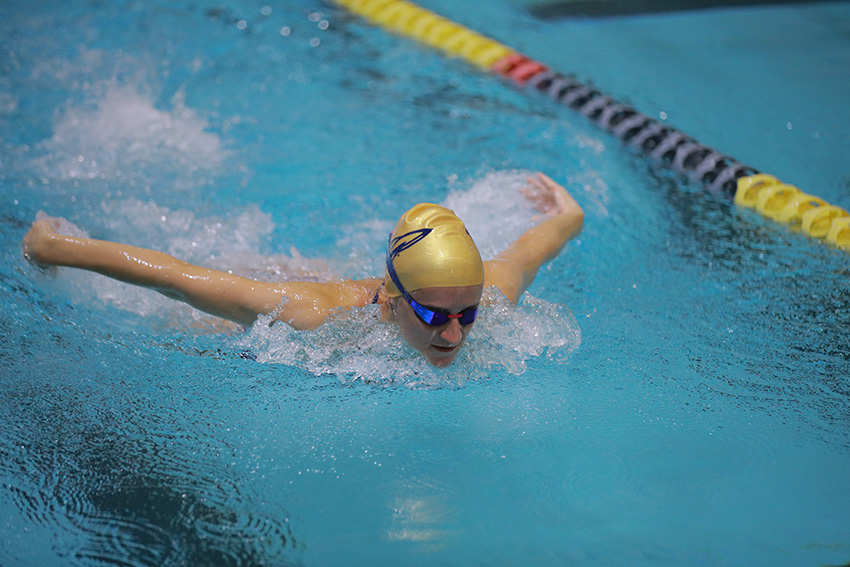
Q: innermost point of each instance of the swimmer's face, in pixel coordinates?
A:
(439, 345)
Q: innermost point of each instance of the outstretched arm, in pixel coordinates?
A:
(513, 270)
(225, 295)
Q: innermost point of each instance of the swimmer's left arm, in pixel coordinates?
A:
(513, 270)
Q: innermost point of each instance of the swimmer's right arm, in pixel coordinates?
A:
(219, 293)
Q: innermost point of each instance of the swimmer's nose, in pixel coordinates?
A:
(452, 333)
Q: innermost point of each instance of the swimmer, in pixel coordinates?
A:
(432, 286)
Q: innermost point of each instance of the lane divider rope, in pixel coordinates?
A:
(787, 204)
(718, 173)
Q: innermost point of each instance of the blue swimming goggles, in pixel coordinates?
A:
(432, 317)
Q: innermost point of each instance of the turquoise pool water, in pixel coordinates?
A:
(673, 392)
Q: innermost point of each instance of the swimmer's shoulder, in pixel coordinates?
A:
(358, 293)
(308, 304)
(503, 274)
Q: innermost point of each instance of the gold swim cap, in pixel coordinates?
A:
(430, 247)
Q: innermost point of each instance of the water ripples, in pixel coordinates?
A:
(121, 474)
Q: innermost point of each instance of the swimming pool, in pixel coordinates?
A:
(694, 411)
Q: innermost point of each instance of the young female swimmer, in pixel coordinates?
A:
(432, 287)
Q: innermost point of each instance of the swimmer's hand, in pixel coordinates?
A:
(548, 197)
(37, 241)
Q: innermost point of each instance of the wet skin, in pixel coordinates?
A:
(439, 345)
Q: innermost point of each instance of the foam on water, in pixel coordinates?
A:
(356, 345)
(493, 209)
(120, 135)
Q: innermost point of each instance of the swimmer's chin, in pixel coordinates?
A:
(441, 358)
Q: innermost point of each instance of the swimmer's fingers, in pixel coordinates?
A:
(46, 223)
(534, 191)
(542, 193)
(560, 201)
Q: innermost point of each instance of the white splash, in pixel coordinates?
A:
(356, 345)
(493, 209)
(123, 136)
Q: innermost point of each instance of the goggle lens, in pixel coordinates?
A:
(439, 318)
